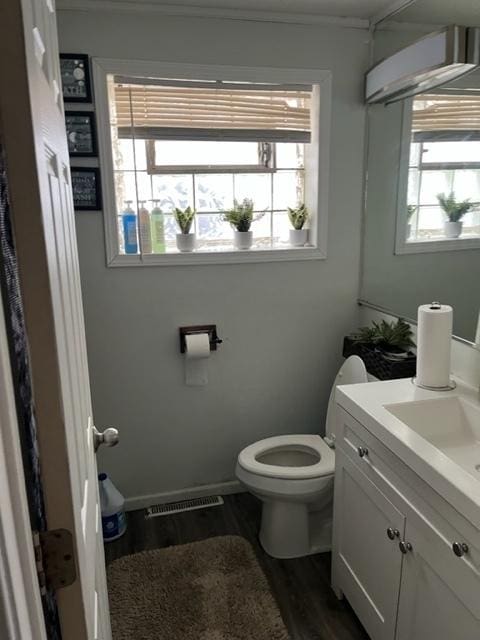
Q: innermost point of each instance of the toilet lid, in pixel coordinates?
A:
(260, 457)
(352, 371)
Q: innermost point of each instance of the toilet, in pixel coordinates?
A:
(293, 476)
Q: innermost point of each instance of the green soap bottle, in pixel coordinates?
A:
(158, 228)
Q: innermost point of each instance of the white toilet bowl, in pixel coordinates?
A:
(293, 476)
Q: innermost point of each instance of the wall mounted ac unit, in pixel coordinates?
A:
(435, 59)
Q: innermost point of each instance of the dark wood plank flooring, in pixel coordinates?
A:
(301, 586)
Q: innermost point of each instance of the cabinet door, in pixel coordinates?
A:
(366, 563)
(439, 593)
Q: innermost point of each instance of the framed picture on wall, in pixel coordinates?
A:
(75, 77)
(81, 133)
(86, 188)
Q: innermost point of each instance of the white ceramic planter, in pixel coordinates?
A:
(453, 229)
(298, 237)
(242, 239)
(185, 242)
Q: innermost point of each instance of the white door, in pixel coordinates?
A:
(33, 135)
(440, 592)
(366, 561)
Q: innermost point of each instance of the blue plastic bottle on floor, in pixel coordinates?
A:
(112, 506)
(129, 221)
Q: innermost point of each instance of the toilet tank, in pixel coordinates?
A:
(352, 371)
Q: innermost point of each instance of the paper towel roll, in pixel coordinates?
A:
(196, 356)
(434, 339)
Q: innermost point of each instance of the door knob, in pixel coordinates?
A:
(460, 548)
(405, 547)
(109, 437)
(393, 533)
(362, 451)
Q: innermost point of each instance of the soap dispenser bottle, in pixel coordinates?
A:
(158, 229)
(144, 225)
(129, 223)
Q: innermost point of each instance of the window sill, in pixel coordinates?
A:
(434, 246)
(224, 257)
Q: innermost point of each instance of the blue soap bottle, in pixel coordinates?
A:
(129, 221)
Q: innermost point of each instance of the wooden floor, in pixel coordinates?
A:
(301, 586)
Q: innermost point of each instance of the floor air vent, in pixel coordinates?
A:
(184, 505)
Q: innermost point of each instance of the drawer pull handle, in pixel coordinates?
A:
(405, 547)
(459, 549)
(362, 452)
(393, 533)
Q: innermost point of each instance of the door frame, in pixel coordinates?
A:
(21, 613)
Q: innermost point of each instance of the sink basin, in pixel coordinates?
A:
(450, 424)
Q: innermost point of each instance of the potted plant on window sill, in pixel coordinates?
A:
(185, 240)
(241, 218)
(454, 211)
(298, 216)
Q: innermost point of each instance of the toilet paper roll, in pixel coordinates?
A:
(434, 338)
(196, 357)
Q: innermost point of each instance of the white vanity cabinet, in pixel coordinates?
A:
(393, 541)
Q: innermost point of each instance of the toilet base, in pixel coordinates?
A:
(293, 529)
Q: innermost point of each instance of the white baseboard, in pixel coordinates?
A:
(222, 489)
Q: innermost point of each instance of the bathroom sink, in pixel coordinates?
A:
(450, 424)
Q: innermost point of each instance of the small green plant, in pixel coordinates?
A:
(298, 216)
(454, 210)
(241, 216)
(411, 209)
(184, 218)
(387, 335)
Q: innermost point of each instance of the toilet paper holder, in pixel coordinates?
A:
(211, 329)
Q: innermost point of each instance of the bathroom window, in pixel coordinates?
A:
(206, 144)
(442, 207)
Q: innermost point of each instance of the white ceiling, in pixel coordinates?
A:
(339, 8)
(430, 12)
(462, 12)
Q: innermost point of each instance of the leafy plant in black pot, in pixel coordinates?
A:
(385, 349)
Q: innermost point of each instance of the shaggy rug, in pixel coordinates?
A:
(208, 590)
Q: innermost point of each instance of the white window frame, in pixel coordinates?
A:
(402, 246)
(316, 177)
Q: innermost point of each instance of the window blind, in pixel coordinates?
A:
(179, 110)
(439, 117)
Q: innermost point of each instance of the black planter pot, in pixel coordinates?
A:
(378, 363)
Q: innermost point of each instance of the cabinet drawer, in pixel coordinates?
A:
(365, 451)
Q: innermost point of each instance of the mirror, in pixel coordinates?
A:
(422, 207)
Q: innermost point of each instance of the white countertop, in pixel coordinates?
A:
(365, 402)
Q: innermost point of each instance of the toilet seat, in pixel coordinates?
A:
(313, 444)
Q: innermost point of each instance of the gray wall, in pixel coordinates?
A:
(282, 322)
(400, 283)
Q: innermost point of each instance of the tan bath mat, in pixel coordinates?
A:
(208, 590)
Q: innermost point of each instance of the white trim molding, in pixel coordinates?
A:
(317, 174)
(195, 11)
(390, 10)
(203, 491)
